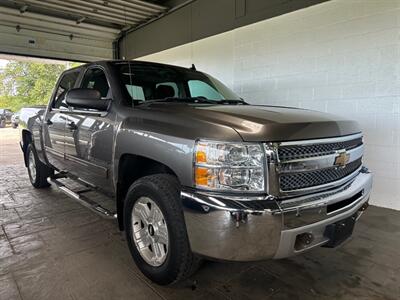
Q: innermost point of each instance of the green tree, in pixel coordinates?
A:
(28, 83)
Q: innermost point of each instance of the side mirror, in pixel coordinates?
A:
(86, 98)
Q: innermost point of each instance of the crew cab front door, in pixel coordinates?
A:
(55, 120)
(89, 135)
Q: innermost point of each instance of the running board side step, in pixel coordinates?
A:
(83, 200)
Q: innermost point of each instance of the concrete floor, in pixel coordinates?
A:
(53, 248)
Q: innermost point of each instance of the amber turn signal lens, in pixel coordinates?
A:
(201, 175)
(201, 157)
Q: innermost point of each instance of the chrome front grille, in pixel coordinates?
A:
(301, 167)
(298, 181)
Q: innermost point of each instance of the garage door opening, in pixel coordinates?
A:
(28, 81)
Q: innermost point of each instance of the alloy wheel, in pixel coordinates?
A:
(32, 166)
(150, 232)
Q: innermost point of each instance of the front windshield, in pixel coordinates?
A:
(145, 81)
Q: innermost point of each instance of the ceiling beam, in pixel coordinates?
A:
(120, 8)
(138, 5)
(79, 12)
(145, 4)
(102, 5)
(98, 10)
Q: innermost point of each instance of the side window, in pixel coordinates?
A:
(200, 88)
(136, 92)
(67, 82)
(171, 84)
(96, 79)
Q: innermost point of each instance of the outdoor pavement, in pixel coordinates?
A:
(53, 248)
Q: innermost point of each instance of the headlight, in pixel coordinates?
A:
(229, 166)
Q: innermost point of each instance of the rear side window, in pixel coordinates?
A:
(96, 79)
(67, 82)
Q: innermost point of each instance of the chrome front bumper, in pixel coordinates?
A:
(238, 229)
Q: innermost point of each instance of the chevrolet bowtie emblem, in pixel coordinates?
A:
(342, 159)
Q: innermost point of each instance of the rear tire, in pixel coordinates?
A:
(38, 172)
(162, 193)
(2, 123)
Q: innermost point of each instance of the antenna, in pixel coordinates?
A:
(193, 67)
(126, 54)
(191, 35)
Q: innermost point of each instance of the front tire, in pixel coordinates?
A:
(156, 231)
(38, 172)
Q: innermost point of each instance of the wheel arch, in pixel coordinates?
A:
(26, 139)
(132, 167)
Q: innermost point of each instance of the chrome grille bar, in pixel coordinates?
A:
(317, 162)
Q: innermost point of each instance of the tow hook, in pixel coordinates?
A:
(239, 217)
(303, 241)
(361, 210)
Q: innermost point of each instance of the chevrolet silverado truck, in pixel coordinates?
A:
(192, 170)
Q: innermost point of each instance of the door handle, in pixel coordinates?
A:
(72, 126)
(49, 122)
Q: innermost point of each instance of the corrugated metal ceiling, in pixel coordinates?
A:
(70, 29)
(78, 16)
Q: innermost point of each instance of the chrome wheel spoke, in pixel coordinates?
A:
(158, 216)
(143, 238)
(152, 213)
(158, 252)
(32, 165)
(162, 235)
(143, 212)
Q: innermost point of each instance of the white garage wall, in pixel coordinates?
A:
(341, 56)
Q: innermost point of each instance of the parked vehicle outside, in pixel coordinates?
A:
(15, 120)
(26, 113)
(194, 171)
(5, 117)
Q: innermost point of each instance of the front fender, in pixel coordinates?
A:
(166, 138)
(174, 152)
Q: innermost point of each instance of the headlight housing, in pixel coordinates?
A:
(229, 166)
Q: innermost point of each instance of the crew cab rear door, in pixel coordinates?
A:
(55, 120)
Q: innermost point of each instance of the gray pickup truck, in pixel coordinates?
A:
(192, 170)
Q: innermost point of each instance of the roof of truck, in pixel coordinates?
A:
(121, 61)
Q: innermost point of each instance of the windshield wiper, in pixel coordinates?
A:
(232, 101)
(199, 99)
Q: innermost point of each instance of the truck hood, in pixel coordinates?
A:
(265, 123)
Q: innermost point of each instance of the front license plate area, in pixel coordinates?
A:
(339, 232)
